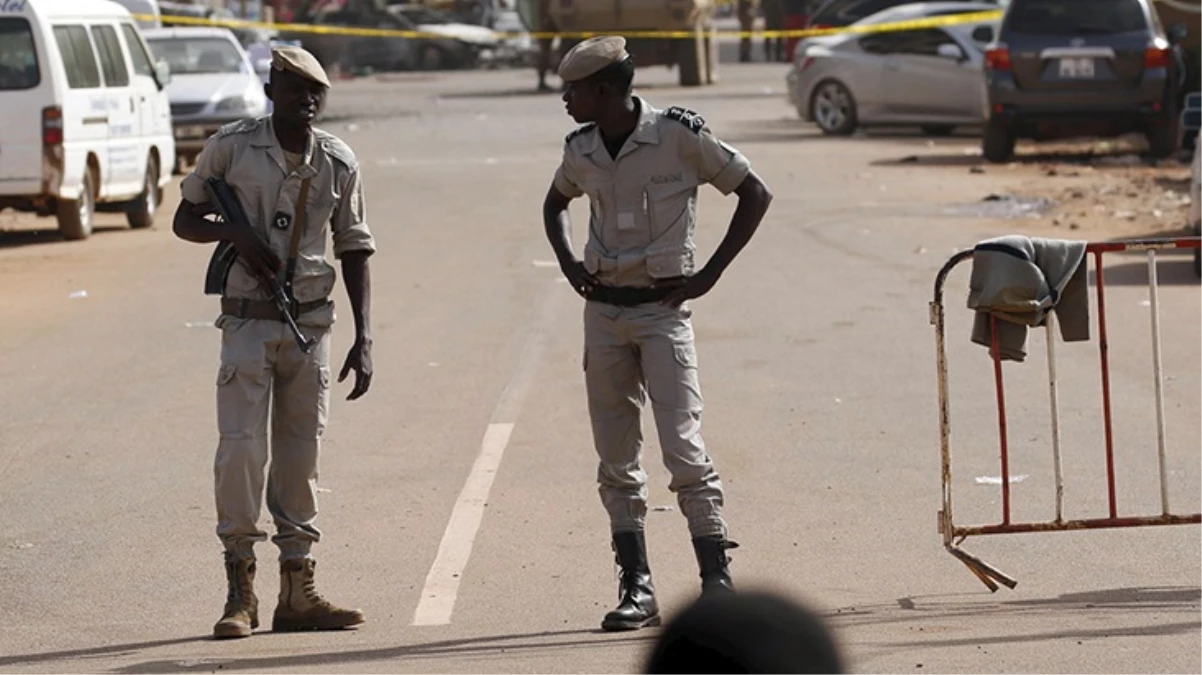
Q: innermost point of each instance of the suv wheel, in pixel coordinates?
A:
(997, 144)
(75, 215)
(1162, 138)
(140, 212)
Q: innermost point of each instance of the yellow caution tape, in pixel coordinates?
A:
(914, 24)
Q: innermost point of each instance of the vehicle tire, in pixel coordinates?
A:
(75, 216)
(692, 61)
(430, 58)
(1163, 137)
(937, 129)
(833, 108)
(140, 212)
(1198, 263)
(997, 143)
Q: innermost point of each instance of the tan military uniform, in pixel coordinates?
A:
(643, 216)
(260, 361)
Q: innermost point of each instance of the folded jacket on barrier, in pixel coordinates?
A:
(1019, 280)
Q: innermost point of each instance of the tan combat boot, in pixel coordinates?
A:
(301, 608)
(241, 606)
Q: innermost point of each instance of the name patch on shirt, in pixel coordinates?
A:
(666, 178)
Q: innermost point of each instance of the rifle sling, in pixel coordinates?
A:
(298, 227)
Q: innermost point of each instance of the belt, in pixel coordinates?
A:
(244, 308)
(629, 296)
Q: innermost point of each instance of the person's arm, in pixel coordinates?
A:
(190, 223)
(557, 224)
(353, 245)
(729, 172)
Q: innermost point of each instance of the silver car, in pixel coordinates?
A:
(212, 83)
(930, 77)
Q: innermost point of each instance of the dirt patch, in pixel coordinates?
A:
(1103, 189)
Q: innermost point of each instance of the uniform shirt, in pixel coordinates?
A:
(643, 205)
(248, 156)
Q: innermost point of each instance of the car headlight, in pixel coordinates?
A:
(233, 104)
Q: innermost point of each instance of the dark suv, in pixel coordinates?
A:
(1064, 68)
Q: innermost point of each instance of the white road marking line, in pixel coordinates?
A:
(438, 595)
(442, 583)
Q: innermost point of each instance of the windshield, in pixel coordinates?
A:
(195, 56)
(18, 59)
(1076, 17)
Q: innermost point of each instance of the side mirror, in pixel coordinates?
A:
(162, 73)
(1178, 32)
(948, 50)
(983, 34)
(263, 66)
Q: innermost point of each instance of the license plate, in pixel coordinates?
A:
(190, 132)
(1076, 68)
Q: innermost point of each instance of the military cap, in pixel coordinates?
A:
(299, 61)
(590, 56)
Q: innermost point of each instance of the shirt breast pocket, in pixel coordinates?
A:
(670, 209)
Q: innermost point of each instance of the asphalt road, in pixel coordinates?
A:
(817, 367)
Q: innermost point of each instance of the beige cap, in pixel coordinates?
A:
(299, 61)
(592, 55)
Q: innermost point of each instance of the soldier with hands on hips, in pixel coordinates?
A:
(640, 168)
(298, 185)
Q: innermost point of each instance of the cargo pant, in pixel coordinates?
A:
(265, 376)
(631, 353)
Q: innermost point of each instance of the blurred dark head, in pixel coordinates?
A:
(606, 90)
(749, 632)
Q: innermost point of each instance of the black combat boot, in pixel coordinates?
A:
(637, 607)
(711, 558)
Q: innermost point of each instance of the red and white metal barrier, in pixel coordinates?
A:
(953, 534)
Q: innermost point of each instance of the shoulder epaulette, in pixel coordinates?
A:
(337, 148)
(582, 130)
(245, 126)
(690, 119)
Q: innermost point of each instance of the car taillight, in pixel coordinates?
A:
(1154, 57)
(52, 126)
(998, 58)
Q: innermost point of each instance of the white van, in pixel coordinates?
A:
(84, 122)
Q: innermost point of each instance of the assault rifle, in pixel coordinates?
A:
(225, 255)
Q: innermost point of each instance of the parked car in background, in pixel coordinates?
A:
(515, 47)
(929, 77)
(840, 13)
(86, 124)
(213, 83)
(357, 52)
(1065, 68)
(463, 44)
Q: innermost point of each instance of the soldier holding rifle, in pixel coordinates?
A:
(294, 186)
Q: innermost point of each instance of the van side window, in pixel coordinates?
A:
(137, 52)
(78, 58)
(18, 58)
(111, 58)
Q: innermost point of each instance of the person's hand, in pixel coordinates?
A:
(358, 359)
(693, 287)
(255, 253)
(582, 282)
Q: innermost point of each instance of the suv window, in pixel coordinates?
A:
(137, 52)
(111, 58)
(1075, 17)
(18, 58)
(78, 58)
